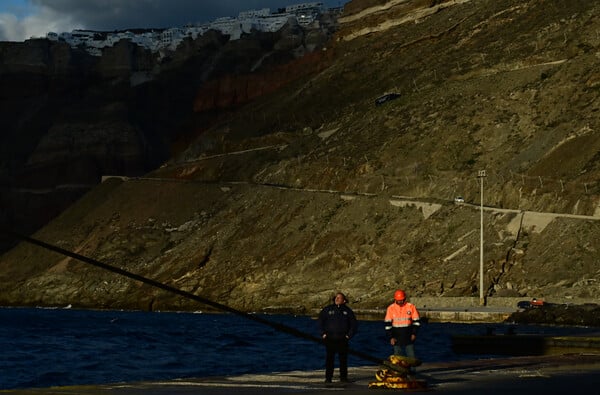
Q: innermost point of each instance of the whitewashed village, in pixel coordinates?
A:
(157, 40)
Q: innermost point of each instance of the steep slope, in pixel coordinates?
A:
(315, 188)
(67, 118)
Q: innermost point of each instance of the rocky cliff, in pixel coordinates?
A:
(68, 118)
(313, 187)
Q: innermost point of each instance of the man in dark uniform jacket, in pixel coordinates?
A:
(337, 324)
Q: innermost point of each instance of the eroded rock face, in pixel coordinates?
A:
(68, 118)
(34, 56)
(276, 249)
(315, 188)
(236, 90)
(124, 59)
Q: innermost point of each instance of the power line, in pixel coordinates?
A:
(275, 325)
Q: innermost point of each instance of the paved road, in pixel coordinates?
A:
(563, 374)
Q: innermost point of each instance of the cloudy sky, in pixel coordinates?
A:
(22, 19)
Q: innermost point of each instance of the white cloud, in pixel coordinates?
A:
(47, 20)
(37, 24)
(11, 28)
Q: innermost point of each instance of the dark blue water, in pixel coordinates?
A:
(45, 347)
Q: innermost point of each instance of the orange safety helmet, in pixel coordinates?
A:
(399, 295)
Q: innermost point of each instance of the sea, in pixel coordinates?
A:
(60, 347)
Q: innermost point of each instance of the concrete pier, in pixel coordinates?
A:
(556, 374)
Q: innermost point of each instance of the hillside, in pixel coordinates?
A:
(67, 117)
(313, 187)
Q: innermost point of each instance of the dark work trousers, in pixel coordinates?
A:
(339, 346)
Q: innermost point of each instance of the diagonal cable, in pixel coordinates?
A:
(275, 325)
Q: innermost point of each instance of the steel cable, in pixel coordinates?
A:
(275, 325)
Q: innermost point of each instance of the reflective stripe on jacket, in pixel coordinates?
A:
(402, 321)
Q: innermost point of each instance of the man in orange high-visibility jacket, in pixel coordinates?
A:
(401, 325)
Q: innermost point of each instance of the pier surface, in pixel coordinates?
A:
(555, 374)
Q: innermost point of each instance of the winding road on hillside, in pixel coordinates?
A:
(535, 220)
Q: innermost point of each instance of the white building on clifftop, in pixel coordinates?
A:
(160, 39)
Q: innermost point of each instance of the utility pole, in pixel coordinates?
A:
(481, 176)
